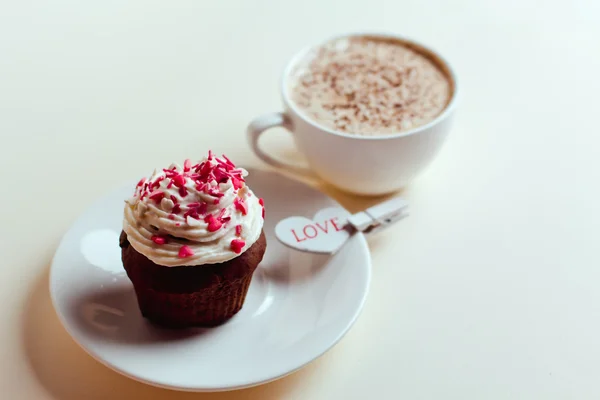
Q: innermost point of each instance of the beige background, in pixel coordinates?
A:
(488, 291)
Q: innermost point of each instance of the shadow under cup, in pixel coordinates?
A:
(364, 165)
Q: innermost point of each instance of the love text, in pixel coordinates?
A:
(311, 231)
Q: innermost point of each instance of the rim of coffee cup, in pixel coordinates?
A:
(428, 50)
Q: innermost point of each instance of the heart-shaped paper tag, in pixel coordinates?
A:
(326, 233)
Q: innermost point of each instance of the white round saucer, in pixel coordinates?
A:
(299, 305)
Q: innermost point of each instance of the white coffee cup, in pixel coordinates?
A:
(365, 165)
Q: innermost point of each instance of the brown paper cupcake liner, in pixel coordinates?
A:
(207, 307)
(205, 295)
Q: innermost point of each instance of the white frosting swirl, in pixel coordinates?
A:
(201, 214)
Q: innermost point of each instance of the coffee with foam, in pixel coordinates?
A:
(369, 86)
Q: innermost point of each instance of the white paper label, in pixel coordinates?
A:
(326, 233)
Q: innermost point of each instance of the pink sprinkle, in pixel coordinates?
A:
(206, 169)
(156, 183)
(179, 180)
(237, 184)
(210, 155)
(159, 239)
(187, 165)
(213, 223)
(221, 213)
(211, 177)
(220, 175)
(169, 173)
(185, 252)
(238, 230)
(262, 203)
(174, 199)
(176, 209)
(237, 245)
(171, 217)
(228, 161)
(157, 196)
(217, 201)
(224, 164)
(170, 185)
(177, 224)
(241, 205)
(191, 213)
(197, 207)
(183, 191)
(238, 174)
(141, 182)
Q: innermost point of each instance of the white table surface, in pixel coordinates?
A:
(489, 290)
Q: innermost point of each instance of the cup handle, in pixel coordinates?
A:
(260, 125)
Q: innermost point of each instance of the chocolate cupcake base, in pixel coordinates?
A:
(204, 295)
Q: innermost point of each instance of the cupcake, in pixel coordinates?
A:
(192, 238)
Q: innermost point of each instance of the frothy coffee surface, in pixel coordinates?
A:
(369, 86)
